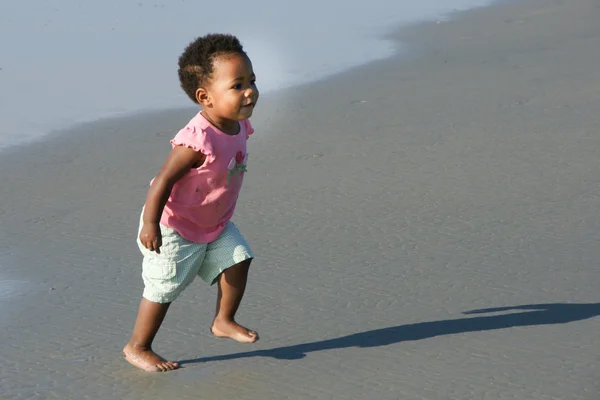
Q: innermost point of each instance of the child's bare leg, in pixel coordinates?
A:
(139, 351)
(232, 283)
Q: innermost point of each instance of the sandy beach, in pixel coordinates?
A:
(425, 227)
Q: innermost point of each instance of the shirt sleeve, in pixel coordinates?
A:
(249, 128)
(194, 138)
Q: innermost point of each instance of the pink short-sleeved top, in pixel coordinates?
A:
(204, 200)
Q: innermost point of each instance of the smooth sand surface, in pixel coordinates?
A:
(383, 204)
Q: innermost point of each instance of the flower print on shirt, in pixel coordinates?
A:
(237, 165)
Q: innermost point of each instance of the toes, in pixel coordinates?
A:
(248, 337)
(166, 366)
(172, 365)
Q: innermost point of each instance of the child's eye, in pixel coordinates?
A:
(253, 82)
(237, 86)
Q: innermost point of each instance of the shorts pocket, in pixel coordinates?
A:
(155, 268)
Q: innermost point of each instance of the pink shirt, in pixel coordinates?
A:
(204, 200)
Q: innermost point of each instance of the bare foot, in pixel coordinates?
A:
(147, 360)
(233, 330)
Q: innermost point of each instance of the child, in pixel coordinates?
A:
(185, 229)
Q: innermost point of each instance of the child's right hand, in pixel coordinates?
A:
(179, 162)
(151, 237)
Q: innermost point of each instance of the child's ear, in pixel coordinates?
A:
(202, 97)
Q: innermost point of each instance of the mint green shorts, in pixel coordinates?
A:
(166, 274)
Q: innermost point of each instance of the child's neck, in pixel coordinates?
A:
(228, 126)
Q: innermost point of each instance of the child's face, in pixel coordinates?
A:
(231, 94)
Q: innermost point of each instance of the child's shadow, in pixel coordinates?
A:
(534, 314)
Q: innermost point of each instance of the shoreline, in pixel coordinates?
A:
(394, 35)
(384, 205)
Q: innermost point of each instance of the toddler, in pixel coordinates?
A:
(185, 228)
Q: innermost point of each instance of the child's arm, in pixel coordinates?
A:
(178, 163)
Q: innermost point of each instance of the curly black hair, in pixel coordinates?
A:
(196, 62)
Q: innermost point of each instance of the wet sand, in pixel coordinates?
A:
(425, 227)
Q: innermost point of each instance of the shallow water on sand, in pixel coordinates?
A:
(10, 288)
(69, 61)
